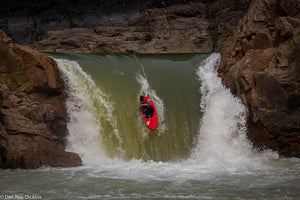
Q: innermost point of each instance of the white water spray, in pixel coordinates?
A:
(88, 109)
(222, 135)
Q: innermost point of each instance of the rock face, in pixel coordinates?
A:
(179, 26)
(223, 17)
(32, 110)
(261, 64)
(174, 29)
(189, 28)
(29, 21)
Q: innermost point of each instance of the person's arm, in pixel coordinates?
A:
(147, 104)
(142, 105)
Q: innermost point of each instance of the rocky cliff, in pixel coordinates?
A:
(147, 26)
(186, 28)
(168, 30)
(27, 21)
(32, 110)
(261, 64)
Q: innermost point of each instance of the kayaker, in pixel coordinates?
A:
(145, 106)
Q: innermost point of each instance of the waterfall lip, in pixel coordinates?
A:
(221, 141)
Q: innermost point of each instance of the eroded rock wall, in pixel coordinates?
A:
(32, 110)
(176, 29)
(185, 28)
(27, 21)
(261, 64)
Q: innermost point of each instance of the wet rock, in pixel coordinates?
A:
(32, 110)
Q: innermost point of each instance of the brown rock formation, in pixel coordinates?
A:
(32, 110)
(28, 21)
(190, 28)
(261, 64)
(175, 29)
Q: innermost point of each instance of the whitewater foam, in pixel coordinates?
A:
(221, 142)
(222, 137)
(88, 109)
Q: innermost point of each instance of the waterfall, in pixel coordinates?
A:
(89, 109)
(105, 123)
(222, 139)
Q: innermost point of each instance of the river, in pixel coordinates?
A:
(199, 150)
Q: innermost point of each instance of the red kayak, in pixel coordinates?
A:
(150, 116)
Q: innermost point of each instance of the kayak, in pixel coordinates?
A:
(151, 122)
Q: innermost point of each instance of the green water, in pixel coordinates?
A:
(199, 150)
(171, 78)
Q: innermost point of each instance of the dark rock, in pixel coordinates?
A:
(180, 27)
(29, 21)
(175, 29)
(290, 7)
(3, 146)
